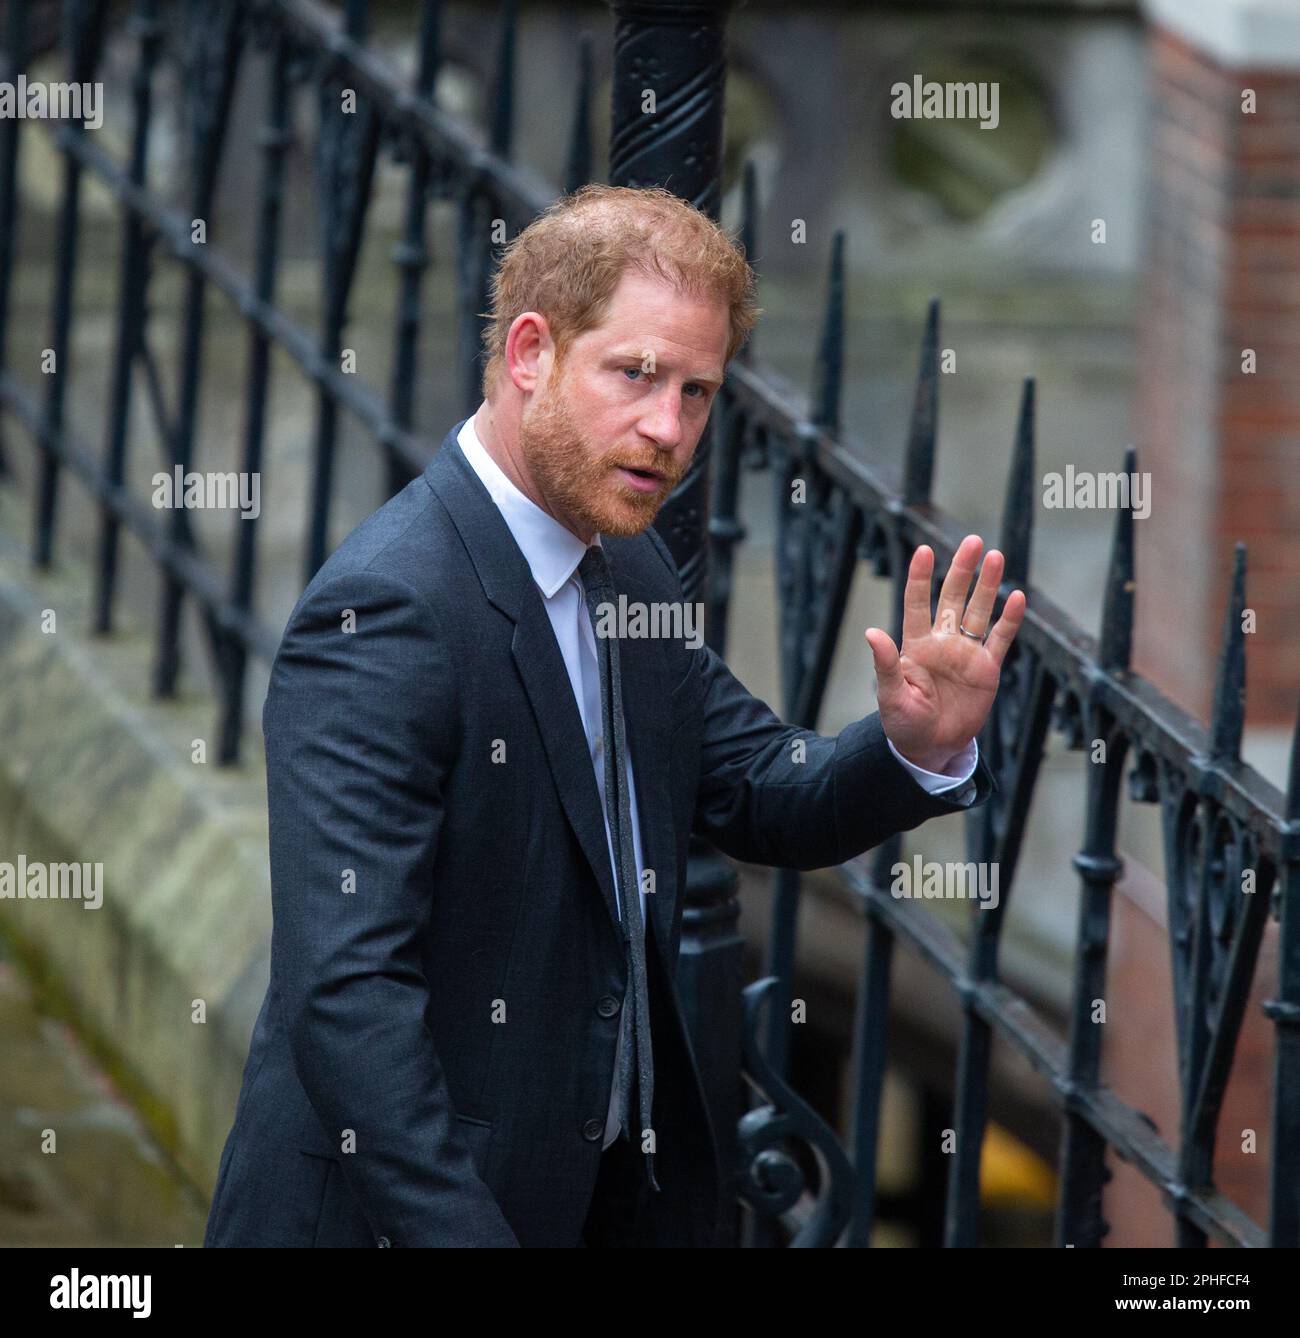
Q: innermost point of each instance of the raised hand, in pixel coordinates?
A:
(936, 695)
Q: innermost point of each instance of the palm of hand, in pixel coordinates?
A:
(935, 696)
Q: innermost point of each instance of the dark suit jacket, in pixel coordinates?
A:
(446, 974)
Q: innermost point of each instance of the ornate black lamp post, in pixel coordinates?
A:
(666, 130)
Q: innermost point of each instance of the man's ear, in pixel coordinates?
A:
(528, 340)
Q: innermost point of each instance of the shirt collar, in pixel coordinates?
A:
(551, 551)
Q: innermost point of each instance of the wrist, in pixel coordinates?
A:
(929, 761)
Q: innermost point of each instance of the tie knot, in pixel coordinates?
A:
(594, 570)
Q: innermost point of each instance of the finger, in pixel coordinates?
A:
(1006, 627)
(916, 596)
(980, 609)
(889, 673)
(952, 597)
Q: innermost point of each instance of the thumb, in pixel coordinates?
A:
(889, 676)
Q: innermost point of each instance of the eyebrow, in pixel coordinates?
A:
(628, 355)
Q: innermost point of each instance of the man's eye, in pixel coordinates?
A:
(633, 369)
(698, 387)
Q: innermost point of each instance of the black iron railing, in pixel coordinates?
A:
(1220, 817)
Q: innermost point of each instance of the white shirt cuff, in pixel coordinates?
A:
(959, 773)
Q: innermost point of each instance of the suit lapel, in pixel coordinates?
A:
(508, 584)
(545, 679)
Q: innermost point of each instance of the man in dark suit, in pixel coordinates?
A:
(480, 800)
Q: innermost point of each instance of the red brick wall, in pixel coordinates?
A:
(1221, 274)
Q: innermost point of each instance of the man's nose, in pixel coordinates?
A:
(664, 423)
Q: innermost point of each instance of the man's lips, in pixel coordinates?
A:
(642, 479)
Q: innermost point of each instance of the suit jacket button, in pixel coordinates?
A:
(608, 1006)
(383, 1242)
(593, 1129)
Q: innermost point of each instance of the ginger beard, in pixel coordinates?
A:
(579, 480)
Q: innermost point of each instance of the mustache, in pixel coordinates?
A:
(662, 465)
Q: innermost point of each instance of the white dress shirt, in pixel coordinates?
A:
(553, 554)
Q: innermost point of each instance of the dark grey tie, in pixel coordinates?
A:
(599, 589)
